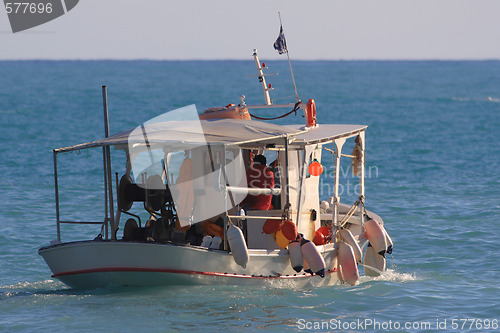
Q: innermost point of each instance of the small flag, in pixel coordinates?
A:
(280, 43)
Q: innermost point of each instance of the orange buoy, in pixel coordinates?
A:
(289, 230)
(281, 240)
(319, 238)
(271, 226)
(315, 168)
(327, 232)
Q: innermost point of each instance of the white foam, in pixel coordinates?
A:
(390, 275)
(33, 286)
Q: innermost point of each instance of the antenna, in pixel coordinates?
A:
(289, 63)
(262, 78)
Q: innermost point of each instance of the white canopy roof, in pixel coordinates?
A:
(328, 132)
(189, 134)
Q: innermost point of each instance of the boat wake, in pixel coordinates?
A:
(466, 99)
(390, 275)
(32, 288)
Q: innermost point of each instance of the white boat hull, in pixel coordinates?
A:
(92, 264)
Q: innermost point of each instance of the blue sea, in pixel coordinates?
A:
(432, 143)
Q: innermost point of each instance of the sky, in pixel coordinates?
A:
(231, 29)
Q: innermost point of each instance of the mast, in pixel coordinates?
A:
(262, 78)
(289, 63)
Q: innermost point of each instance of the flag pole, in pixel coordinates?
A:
(290, 64)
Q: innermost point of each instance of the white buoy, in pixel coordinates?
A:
(215, 244)
(306, 267)
(313, 258)
(388, 240)
(238, 246)
(347, 237)
(373, 263)
(339, 274)
(295, 254)
(206, 241)
(347, 264)
(376, 236)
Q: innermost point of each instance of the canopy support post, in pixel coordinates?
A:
(106, 213)
(222, 166)
(336, 199)
(362, 178)
(56, 187)
(287, 177)
(114, 228)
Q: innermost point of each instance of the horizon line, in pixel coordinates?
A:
(238, 59)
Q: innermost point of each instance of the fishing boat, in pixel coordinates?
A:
(198, 201)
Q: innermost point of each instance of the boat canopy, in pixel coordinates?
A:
(179, 135)
(325, 133)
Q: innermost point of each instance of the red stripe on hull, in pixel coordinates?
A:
(177, 271)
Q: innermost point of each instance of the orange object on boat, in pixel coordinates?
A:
(281, 240)
(311, 113)
(289, 230)
(271, 226)
(319, 238)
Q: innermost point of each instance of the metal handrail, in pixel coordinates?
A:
(80, 222)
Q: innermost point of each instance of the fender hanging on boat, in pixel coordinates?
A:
(347, 237)
(238, 246)
(376, 236)
(347, 264)
(388, 240)
(313, 258)
(373, 263)
(295, 254)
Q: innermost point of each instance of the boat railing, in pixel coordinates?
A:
(244, 217)
(81, 222)
(262, 217)
(253, 190)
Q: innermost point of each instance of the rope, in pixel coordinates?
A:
(282, 116)
(351, 212)
(346, 218)
(365, 212)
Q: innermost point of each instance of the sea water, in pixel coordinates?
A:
(433, 157)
